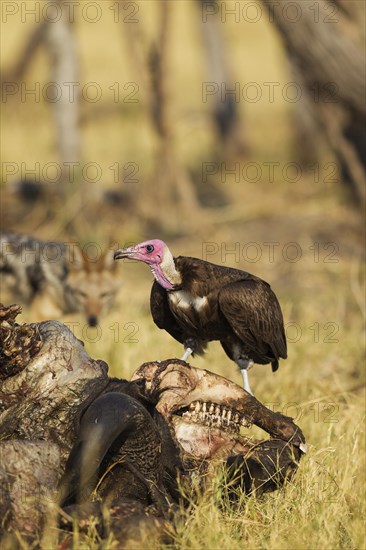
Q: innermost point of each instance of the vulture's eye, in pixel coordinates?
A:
(149, 248)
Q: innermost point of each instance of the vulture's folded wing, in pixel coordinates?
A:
(254, 314)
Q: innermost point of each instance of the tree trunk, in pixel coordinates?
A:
(225, 113)
(173, 184)
(32, 44)
(65, 76)
(170, 187)
(324, 41)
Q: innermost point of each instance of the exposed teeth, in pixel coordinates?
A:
(244, 422)
(218, 416)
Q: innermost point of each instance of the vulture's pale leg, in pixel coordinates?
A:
(186, 354)
(244, 373)
(245, 365)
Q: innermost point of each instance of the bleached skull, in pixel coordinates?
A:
(208, 412)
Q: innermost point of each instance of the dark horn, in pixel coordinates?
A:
(274, 423)
(110, 416)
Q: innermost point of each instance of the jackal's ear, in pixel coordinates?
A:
(74, 256)
(107, 261)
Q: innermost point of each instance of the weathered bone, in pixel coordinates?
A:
(51, 381)
(208, 416)
(46, 380)
(173, 385)
(18, 343)
(29, 473)
(45, 398)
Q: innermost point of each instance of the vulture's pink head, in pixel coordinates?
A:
(150, 252)
(157, 255)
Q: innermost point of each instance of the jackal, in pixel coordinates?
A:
(57, 277)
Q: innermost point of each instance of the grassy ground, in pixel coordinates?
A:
(322, 383)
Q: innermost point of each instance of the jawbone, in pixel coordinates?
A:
(206, 442)
(206, 411)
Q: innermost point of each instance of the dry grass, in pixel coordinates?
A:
(322, 382)
(321, 385)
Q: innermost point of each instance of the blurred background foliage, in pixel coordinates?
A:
(208, 174)
(171, 161)
(152, 157)
(163, 150)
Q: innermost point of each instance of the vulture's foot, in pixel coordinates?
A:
(186, 354)
(244, 373)
(244, 365)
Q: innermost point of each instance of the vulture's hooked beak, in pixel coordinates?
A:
(124, 253)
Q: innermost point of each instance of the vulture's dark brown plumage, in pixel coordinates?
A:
(241, 311)
(197, 301)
